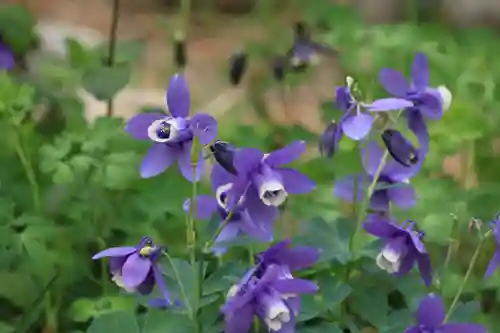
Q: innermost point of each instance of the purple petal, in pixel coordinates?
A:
(296, 182)
(239, 321)
(425, 268)
(431, 105)
(160, 282)
(295, 286)
(158, 158)
(406, 264)
(219, 176)
(344, 188)
(413, 329)
(206, 206)
(185, 165)
(300, 257)
(135, 270)
(7, 60)
(462, 328)
(371, 157)
(379, 227)
(342, 98)
(287, 154)
(178, 97)
(204, 127)
(357, 126)
(393, 82)
(115, 252)
(389, 104)
(247, 159)
(420, 71)
(138, 125)
(402, 195)
(260, 213)
(431, 311)
(262, 231)
(229, 232)
(492, 266)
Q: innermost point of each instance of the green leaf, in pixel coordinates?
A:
(397, 322)
(126, 51)
(371, 304)
(84, 309)
(79, 57)
(333, 290)
(321, 327)
(310, 307)
(17, 28)
(114, 322)
(223, 278)
(104, 82)
(156, 321)
(466, 312)
(17, 288)
(63, 174)
(184, 276)
(438, 228)
(5, 328)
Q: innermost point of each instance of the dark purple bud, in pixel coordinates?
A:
(180, 56)
(301, 32)
(224, 155)
(328, 140)
(279, 68)
(237, 67)
(400, 148)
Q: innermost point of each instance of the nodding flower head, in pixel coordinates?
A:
(223, 153)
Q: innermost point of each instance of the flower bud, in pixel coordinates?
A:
(180, 56)
(237, 67)
(279, 68)
(223, 153)
(400, 148)
(328, 140)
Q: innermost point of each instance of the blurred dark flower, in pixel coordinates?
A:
(135, 268)
(392, 184)
(495, 260)
(400, 148)
(7, 59)
(273, 299)
(257, 224)
(223, 153)
(430, 317)
(262, 174)
(237, 67)
(173, 134)
(279, 66)
(403, 247)
(329, 140)
(180, 55)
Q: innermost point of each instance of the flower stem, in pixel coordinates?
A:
(113, 37)
(472, 264)
(192, 237)
(221, 227)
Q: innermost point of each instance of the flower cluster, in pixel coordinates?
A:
(248, 187)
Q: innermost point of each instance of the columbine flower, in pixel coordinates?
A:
(135, 269)
(392, 184)
(257, 224)
(495, 260)
(274, 300)
(7, 61)
(430, 317)
(173, 135)
(403, 247)
(263, 174)
(355, 122)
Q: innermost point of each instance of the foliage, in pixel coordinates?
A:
(70, 188)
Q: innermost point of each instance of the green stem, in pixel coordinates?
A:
(113, 37)
(192, 237)
(185, 16)
(221, 227)
(472, 263)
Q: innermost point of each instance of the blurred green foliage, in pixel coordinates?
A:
(69, 188)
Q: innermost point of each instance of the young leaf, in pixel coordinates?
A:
(156, 321)
(114, 322)
(104, 82)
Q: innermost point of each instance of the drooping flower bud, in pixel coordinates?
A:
(237, 67)
(328, 140)
(279, 68)
(224, 155)
(400, 148)
(180, 56)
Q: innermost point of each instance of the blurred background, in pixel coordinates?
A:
(82, 190)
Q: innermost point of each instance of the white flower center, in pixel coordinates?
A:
(389, 260)
(349, 81)
(118, 280)
(163, 130)
(446, 97)
(272, 193)
(221, 194)
(276, 315)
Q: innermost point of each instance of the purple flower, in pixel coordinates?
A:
(273, 299)
(7, 60)
(392, 184)
(173, 135)
(403, 247)
(430, 317)
(495, 260)
(257, 224)
(355, 123)
(428, 102)
(135, 269)
(264, 175)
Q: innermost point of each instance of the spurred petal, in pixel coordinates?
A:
(371, 157)
(246, 159)
(295, 286)
(357, 126)
(393, 82)
(204, 127)
(389, 104)
(425, 268)
(138, 125)
(493, 265)
(219, 176)
(379, 227)
(160, 282)
(344, 188)
(300, 257)
(420, 71)
(185, 164)
(342, 98)
(296, 182)
(178, 97)
(261, 231)
(158, 158)
(462, 328)
(402, 195)
(431, 311)
(431, 105)
(260, 213)
(229, 232)
(240, 320)
(287, 154)
(205, 204)
(115, 252)
(135, 270)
